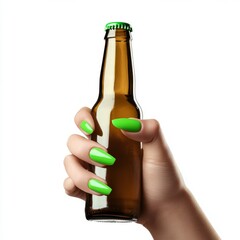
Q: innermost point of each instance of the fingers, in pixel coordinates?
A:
(72, 190)
(78, 175)
(89, 151)
(84, 152)
(139, 130)
(149, 133)
(81, 180)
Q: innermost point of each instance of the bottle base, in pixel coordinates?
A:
(111, 218)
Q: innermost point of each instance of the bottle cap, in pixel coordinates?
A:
(118, 25)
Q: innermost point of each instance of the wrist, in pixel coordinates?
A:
(161, 212)
(180, 218)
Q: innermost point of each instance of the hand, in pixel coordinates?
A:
(161, 180)
(169, 211)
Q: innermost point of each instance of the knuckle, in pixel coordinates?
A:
(65, 184)
(77, 117)
(152, 130)
(155, 124)
(79, 114)
(71, 139)
(68, 184)
(66, 161)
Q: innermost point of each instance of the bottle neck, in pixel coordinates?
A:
(117, 74)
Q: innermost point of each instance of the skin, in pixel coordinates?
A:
(169, 210)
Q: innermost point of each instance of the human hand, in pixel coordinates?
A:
(161, 180)
(169, 211)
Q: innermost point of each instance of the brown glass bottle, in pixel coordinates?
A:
(117, 100)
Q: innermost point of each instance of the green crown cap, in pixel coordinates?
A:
(118, 25)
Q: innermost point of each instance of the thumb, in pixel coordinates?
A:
(149, 133)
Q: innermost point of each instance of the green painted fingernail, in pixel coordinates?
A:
(100, 156)
(127, 124)
(86, 127)
(99, 187)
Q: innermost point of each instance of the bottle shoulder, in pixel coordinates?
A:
(118, 106)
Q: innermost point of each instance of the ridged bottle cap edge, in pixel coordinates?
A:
(118, 25)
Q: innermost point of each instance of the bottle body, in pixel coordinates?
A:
(117, 100)
(124, 177)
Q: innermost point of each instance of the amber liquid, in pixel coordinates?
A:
(116, 100)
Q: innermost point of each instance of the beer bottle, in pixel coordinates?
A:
(117, 100)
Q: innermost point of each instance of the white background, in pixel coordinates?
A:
(187, 64)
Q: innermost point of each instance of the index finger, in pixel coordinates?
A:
(84, 120)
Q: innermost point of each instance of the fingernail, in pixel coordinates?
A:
(86, 127)
(100, 156)
(127, 124)
(99, 187)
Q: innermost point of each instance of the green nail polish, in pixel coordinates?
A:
(99, 187)
(86, 127)
(127, 124)
(100, 156)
